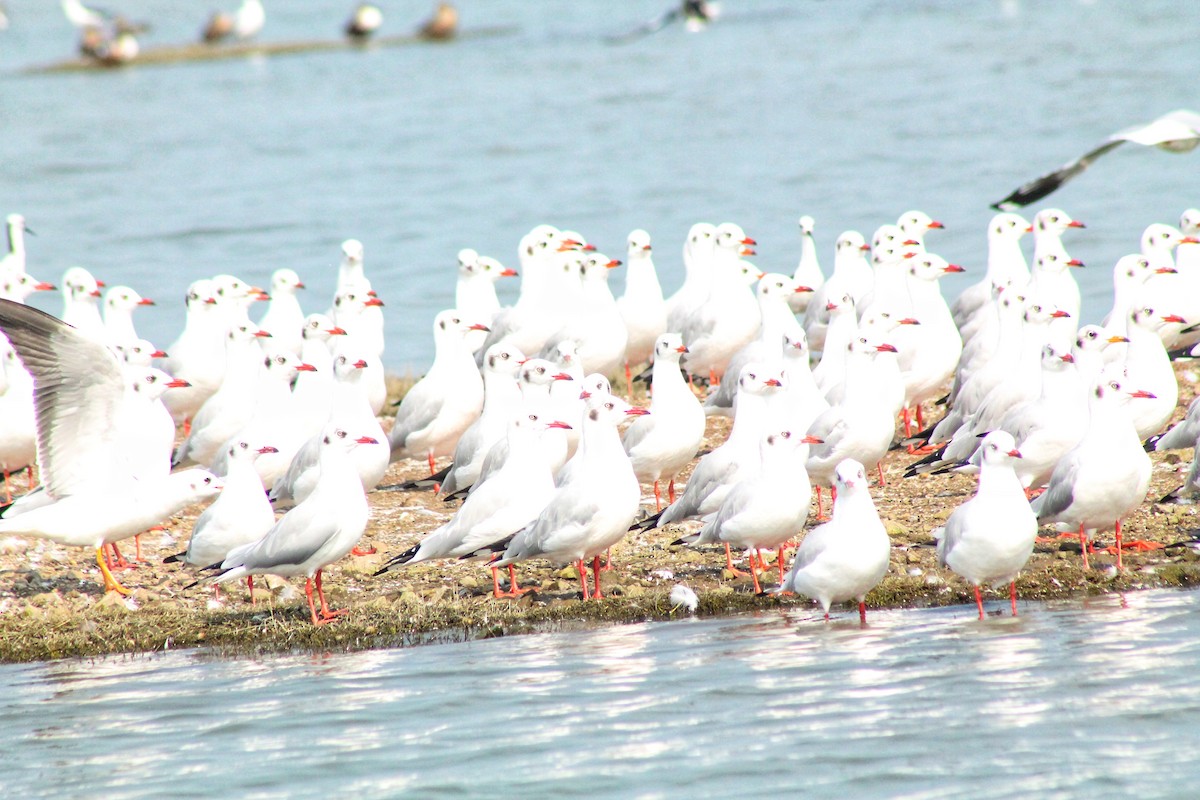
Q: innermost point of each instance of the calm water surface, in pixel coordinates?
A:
(852, 112)
(1096, 699)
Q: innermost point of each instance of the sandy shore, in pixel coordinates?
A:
(52, 606)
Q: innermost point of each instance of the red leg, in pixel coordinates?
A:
(920, 418)
(108, 560)
(326, 614)
(1120, 566)
(754, 573)
(820, 513)
(607, 561)
(250, 587)
(1083, 545)
(862, 612)
(737, 573)
(832, 498)
(582, 578)
(979, 601)
(513, 589)
(596, 595)
(657, 498)
(827, 616)
(1012, 596)
(907, 422)
(308, 582)
(137, 547)
(33, 480)
(358, 551)
(671, 491)
(628, 384)
(431, 468)
(121, 562)
(713, 383)
(882, 480)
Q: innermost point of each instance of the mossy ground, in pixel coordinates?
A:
(51, 604)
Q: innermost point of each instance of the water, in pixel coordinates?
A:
(852, 112)
(1094, 699)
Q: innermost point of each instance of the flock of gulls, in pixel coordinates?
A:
(278, 422)
(112, 38)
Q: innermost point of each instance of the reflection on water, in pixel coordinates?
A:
(1088, 698)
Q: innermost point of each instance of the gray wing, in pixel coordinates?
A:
(1184, 434)
(709, 474)
(295, 538)
(306, 458)
(1059, 494)
(417, 411)
(815, 543)
(952, 532)
(636, 432)
(78, 388)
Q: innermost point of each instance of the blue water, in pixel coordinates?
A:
(852, 112)
(1074, 699)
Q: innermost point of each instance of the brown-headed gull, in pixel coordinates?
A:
(1006, 266)
(1106, 475)
(801, 401)
(808, 269)
(641, 305)
(81, 303)
(1050, 276)
(13, 261)
(119, 304)
(18, 432)
(1148, 367)
(1176, 132)
(773, 291)
(666, 440)
(851, 275)
(198, 355)
(359, 312)
(534, 380)
(598, 330)
(229, 409)
(763, 512)
(501, 401)
(759, 391)
(284, 319)
(915, 224)
(510, 500)
(78, 390)
(139, 353)
(847, 556)
(929, 352)
(988, 539)
(317, 532)
(18, 286)
(536, 315)
(593, 511)
(475, 289)
(876, 325)
(1165, 287)
(245, 22)
(698, 249)
(729, 317)
(363, 22)
(444, 403)
(239, 516)
(350, 409)
(1184, 434)
(312, 393)
(860, 428)
(841, 329)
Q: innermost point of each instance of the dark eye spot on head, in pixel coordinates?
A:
(326, 440)
(593, 415)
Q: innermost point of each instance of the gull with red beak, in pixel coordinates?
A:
(662, 443)
(861, 427)
(988, 539)
(443, 404)
(1106, 475)
(317, 532)
(591, 512)
(284, 319)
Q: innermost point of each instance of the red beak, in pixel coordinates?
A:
(366, 440)
(268, 449)
(682, 349)
(1059, 314)
(1074, 262)
(478, 327)
(336, 331)
(562, 376)
(558, 424)
(749, 241)
(812, 440)
(804, 289)
(1144, 395)
(773, 382)
(262, 334)
(1015, 453)
(953, 268)
(43, 287)
(178, 383)
(159, 354)
(145, 301)
(1175, 318)
(638, 412)
(885, 348)
(936, 224)
(373, 301)
(306, 368)
(1076, 224)
(360, 364)
(508, 272)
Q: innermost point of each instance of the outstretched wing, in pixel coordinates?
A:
(78, 390)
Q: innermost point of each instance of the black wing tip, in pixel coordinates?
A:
(492, 550)
(396, 561)
(1151, 444)
(175, 558)
(647, 523)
